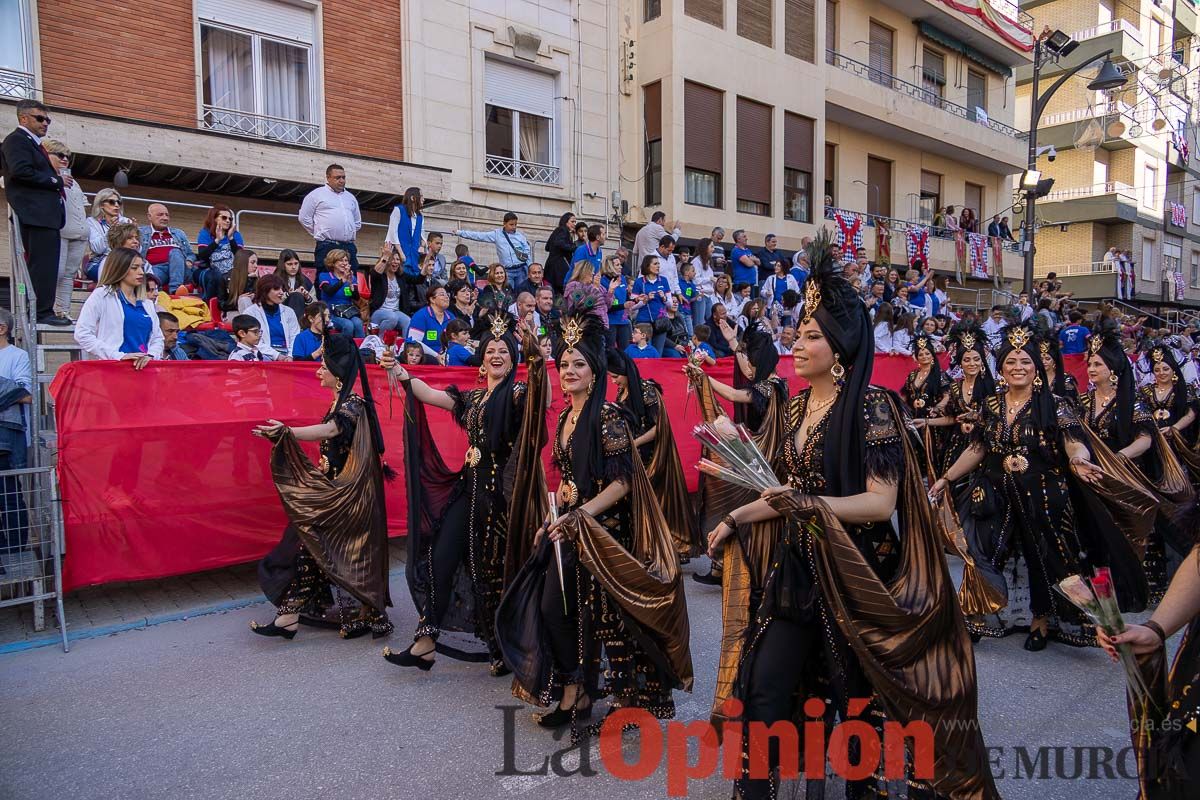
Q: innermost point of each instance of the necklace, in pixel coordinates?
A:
(813, 408)
(574, 417)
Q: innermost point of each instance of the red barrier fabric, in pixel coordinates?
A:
(1076, 365)
(160, 475)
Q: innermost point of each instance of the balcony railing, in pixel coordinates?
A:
(836, 59)
(261, 126)
(522, 170)
(899, 225)
(1075, 270)
(1097, 190)
(1117, 25)
(1010, 9)
(14, 83)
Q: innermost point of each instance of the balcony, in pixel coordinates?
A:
(16, 84)
(1061, 129)
(870, 100)
(261, 126)
(1087, 280)
(1119, 35)
(526, 171)
(997, 28)
(1109, 202)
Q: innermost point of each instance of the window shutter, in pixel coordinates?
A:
(831, 25)
(797, 142)
(799, 29)
(934, 68)
(931, 182)
(702, 134)
(261, 16)
(652, 97)
(754, 20)
(879, 187)
(753, 151)
(518, 88)
(710, 11)
(881, 49)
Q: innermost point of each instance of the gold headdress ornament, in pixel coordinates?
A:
(812, 300)
(923, 343)
(968, 341)
(572, 332)
(499, 325)
(1095, 343)
(1018, 337)
(1044, 347)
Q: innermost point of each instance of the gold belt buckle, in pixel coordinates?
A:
(1015, 464)
(919, 402)
(570, 493)
(1162, 414)
(473, 457)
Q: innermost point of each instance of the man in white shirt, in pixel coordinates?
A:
(647, 239)
(1023, 308)
(667, 267)
(994, 325)
(330, 214)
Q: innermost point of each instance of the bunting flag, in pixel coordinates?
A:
(997, 256)
(960, 254)
(977, 247)
(849, 230)
(917, 241)
(1120, 270)
(1181, 146)
(1178, 215)
(883, 241)
(1179, 285)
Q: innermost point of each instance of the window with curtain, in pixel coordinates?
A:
(703, 144)
(798, 136)
(652, 119)
(16, 52)
(256, 85)
(653, 10)
(931, 196)
(519, 123)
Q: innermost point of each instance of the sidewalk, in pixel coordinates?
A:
(114, 607)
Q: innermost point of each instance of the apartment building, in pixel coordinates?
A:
(245, 102)
(732, 115)
(1127, 168)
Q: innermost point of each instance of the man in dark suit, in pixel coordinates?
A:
(34, 190)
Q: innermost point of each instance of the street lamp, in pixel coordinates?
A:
(1058, 44)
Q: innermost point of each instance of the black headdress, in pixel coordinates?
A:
(342, 359)
(831, 301)
(619, 363)
(923, 341)
(1161, 352)
(1023, 337)
(969, 336)
(499, 414)
(583, 333)
(1106, 343)
(759, 346)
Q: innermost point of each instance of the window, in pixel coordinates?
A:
(881, 54)
(652, 98)
(973, 199)
(16, 50)
(519, 123)
(1149, 187)
(1195, 276)
(703, 143)
(1105, 11)
(830, 161)
(1147, 259)
(1172, 256)
(710, 11)
(977, 95)
(931, 196)
(1100, 166)
(933, 75)
(800, 29)
(1196, 206)
(754, 20)
(753, 157)
(798, 135)
(879, 187)
(653, 10)
(831, 37)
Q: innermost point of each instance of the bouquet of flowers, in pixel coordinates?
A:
(1096, 599)
(744, 466)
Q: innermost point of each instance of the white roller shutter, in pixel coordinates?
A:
(518, 88)
(283, 20)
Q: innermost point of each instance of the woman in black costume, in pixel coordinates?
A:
(336, 543)
(960, 411)
(1061, 382)
(459, 521)
(925, 387)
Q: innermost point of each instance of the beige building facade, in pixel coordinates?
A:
(768, 114)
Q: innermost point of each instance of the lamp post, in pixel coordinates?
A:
(1109, 77)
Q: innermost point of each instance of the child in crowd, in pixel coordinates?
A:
(546, 343)
(702, 352)
(248, 333)
(310, 342)
(687, 293)
(457, 341)
(641, 348)
(414, 355)
(463, 253)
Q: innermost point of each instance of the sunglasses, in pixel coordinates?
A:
(41, 119)
(111, 203)
(225, 217)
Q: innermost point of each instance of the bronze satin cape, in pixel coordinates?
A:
(341, 521)
(528, 502)
(1126, 493)
(666, 478)
(909, 636)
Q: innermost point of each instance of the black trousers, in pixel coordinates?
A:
(41, 254)
(562, 628)
(450, 551)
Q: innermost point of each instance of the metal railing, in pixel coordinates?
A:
(1076, 270)
(925, 95)
(261, 126)
(901, 225)
(15, 83)
(1096, 190)
(522, 170)
(1119, 24)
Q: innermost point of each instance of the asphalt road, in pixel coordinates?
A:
(202, 708)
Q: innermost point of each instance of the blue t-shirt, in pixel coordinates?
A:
(424, 320)
(457, 356)
(633, 351)
(742, 273)
(339, 293)
(275, 328)
(916, 297)
(689, 292)
(137, 327)
(582, 253)
(801, 275)
(659, 290)
(778, 287)
(305, 344)
(620, 295)
(1073, 339)
(707, 348)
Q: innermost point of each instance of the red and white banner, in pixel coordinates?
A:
(849, 232)
(160, 475)
(977, 253)
(917, 243)
(1178, 214)
(1004, 22)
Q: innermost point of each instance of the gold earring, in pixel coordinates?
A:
(838, 371)
(1174, 377)
(338, 387)
(482, 373)
(1037, 382)
(592, 386)
(1113, 379)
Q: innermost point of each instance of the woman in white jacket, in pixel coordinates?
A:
(277, 320)
(118, 322)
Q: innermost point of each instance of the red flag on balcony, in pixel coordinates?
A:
(917, 242)
(849, 229)
(997, 256)
(960, 254)
(977, 247)
(883, 241)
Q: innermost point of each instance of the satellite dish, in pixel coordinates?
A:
(1115, 129)
(1158, 124)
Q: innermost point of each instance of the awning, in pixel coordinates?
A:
(946, 40)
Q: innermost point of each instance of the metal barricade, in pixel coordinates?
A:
(31, 544)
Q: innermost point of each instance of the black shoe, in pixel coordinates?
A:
(561, 716)
(354, 630)
(407, 659)
(53, 319)
(499, 669)
(707, 580)
(1035, 641)
(272, 629)
(382, 629)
